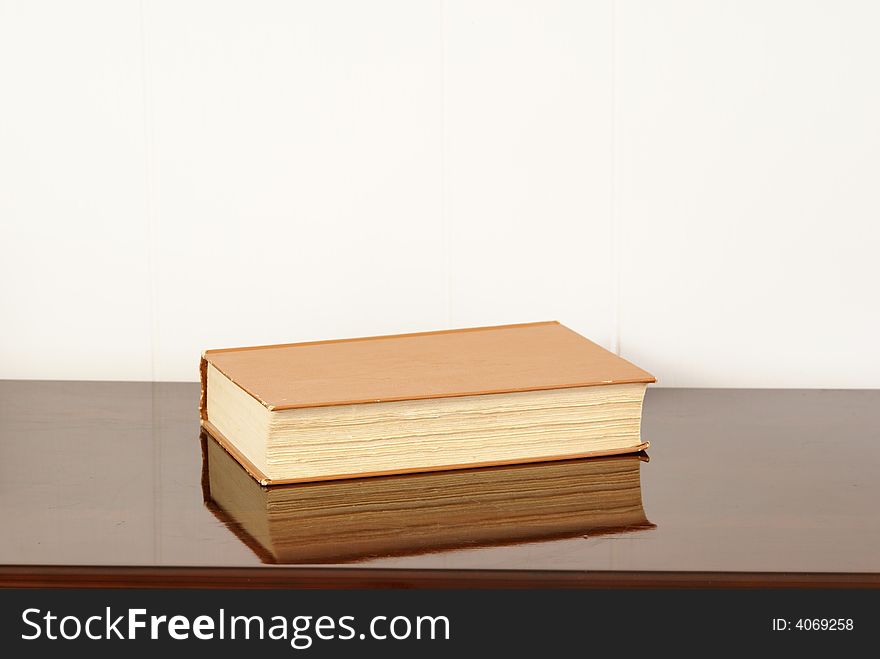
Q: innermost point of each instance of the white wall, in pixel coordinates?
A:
(693, 183)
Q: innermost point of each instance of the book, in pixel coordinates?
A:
(420, 402)
(359, 519)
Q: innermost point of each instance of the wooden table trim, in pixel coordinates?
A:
(43, 576)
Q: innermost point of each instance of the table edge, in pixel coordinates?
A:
(53, 576)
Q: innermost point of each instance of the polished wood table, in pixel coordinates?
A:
(106, 484)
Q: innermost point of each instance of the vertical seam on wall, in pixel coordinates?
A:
(148, 186)
(444, 211)
(151, 267)
(615, 214)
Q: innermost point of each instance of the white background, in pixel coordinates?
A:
(693, 183)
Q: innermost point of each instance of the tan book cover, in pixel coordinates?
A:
(360, 519)
(474, 364)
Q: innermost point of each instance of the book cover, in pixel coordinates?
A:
(429, 401)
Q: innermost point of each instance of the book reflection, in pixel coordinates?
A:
(365, 518)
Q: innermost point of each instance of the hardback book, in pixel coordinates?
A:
(421, 402)
(360, 519)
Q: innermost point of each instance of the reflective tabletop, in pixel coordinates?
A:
(112, 484)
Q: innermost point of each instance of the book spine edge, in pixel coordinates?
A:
(203, 394)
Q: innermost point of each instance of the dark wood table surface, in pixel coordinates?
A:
(101, 485)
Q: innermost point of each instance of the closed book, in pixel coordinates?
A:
(360, 519)
(420, 402)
